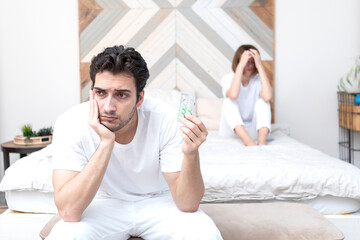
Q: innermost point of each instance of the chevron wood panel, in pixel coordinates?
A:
(265, 11)
(188, 44)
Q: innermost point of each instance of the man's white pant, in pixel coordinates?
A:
(231, 118)
(155, 218)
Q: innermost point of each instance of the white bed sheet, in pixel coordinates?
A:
(285, 169)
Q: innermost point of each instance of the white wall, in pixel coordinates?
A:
(316, 43)
(39, 64)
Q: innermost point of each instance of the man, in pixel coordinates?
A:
(123, 166)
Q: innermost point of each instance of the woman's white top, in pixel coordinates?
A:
(247, 96)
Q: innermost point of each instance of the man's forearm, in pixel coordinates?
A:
(190, 187)
(74, 196)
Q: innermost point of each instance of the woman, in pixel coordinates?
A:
(247, 91)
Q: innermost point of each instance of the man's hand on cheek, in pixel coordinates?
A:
(94, 121)
(193, 132)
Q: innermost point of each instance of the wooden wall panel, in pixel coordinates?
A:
(178, 38)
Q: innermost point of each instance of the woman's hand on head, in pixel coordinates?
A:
(245, 56)
(257, 59)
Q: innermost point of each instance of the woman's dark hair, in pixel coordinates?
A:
(119, 59)
(238, 54)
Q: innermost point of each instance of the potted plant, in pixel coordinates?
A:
(349, 98)
(351, 82)
(30, 137)
(27, 131)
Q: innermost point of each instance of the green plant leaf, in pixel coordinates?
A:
(27, 131)
(342, 85)
(348, 81)
(45, 131)
(357, 71)
(350, 73)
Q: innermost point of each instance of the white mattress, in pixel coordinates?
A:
(31, 201)
(43, 202)
(324, 205)
(285, 169)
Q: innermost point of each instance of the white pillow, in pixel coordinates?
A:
(209, 112)
(171, 97)
(30, 173)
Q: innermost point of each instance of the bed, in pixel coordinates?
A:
(284, 171)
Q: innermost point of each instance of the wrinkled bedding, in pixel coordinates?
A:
(285, 169)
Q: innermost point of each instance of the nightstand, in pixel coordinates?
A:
(23, 150)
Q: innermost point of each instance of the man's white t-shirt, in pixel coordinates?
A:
(134, 170)
(247, 96)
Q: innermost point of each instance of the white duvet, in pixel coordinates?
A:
(284, 170)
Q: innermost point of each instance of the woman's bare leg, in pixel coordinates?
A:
(262, 134)
(241, 132)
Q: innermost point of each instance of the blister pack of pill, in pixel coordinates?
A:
(187, 105)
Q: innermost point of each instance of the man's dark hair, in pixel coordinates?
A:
(120, 59)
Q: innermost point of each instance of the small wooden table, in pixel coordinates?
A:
(23, 150)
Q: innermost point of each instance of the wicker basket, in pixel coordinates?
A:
(349, 111)
(349, 117)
